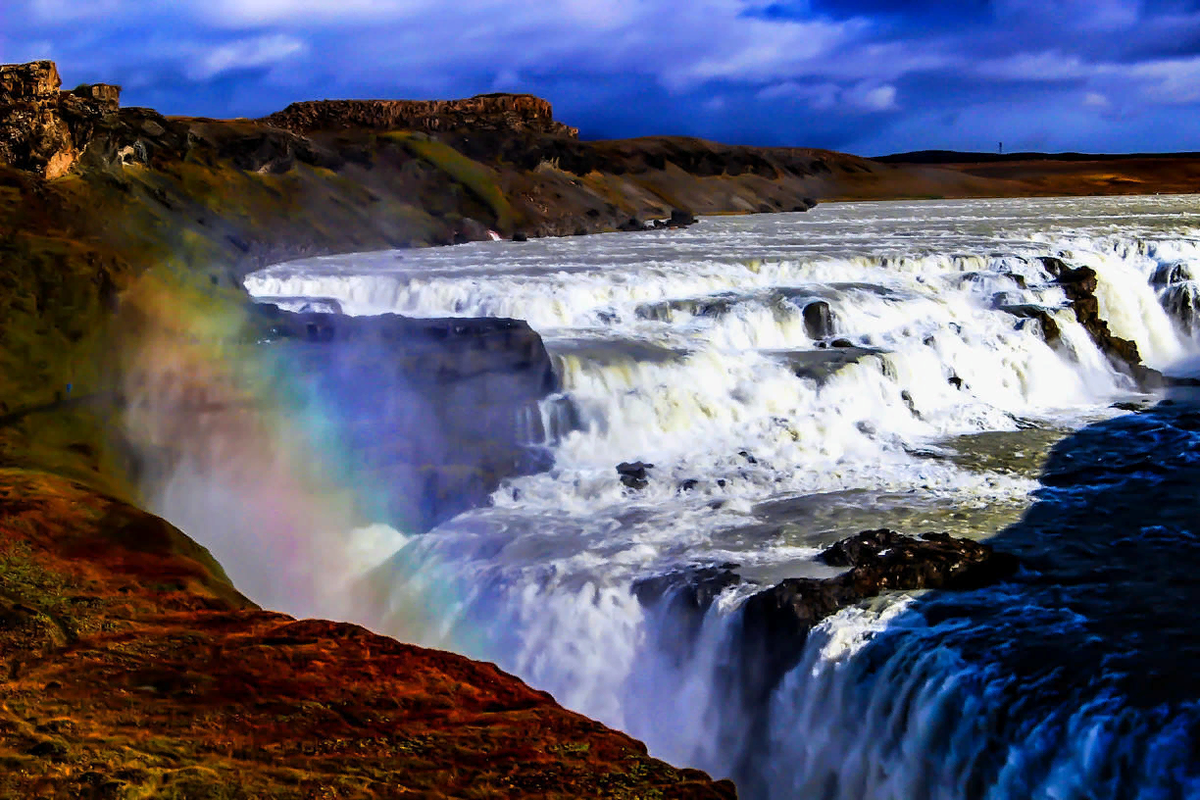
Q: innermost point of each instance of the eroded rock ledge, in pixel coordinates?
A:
(775, 622)
(438, 410)
(44, 130)
(767, 638)
(512, 113)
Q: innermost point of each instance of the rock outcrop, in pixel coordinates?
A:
(506, 113)
(1079, 285)
(776, 621)
(767, 638)
(440, 411)
(44, 130)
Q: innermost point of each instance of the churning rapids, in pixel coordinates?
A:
(927, 399)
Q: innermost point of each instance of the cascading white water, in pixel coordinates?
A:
(689, 350)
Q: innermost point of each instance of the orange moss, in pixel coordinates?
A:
(134, 668)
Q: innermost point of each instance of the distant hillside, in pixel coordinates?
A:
(958, 157)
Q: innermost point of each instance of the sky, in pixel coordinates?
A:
(863, 76)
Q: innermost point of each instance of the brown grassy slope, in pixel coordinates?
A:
(132, 668)
(1051, 176)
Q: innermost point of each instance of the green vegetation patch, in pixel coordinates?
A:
(478, 179)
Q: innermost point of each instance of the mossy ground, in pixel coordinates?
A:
(133, 669)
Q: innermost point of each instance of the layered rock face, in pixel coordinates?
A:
(513, 113)
(42, 129)
(435, 411)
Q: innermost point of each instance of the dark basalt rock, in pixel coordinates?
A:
(634, 475)
(776, 621)
(1171, 274)
(693, 588)
(1079, 284)
(680, 599)
(1182, 302)
(818, 320)
(464, 393)
(1051, 333)
(681, 219)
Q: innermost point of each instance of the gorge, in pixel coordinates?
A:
(136, 373)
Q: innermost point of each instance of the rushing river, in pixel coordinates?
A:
(929, 401)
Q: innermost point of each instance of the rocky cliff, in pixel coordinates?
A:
(505, 113)
(42, 129)
(440, 410)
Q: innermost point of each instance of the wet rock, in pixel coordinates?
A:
(693, 587)
(1079, 284)
(776, 621)
(471, 230)
(681, 219)
(818, 320)
(1171, 274)
(632, 224)
(688, 485)
(1182, 302)
(682, 598)
(1050, 332)
(520, 237)
(634, 474)
(466, 391)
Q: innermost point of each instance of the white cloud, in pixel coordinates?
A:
(823, 96)
(1171, 81)
(260, 51)
(872, 98)
(758, 50)
(1095, 100)
(1049, 65)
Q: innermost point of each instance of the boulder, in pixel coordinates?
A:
(1171, 274)
(1182, 302)
(818, 320)
(37, 80)
(106, 95)
(634, 474)
(681, 219)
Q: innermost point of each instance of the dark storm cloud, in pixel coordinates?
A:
(868, 76)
